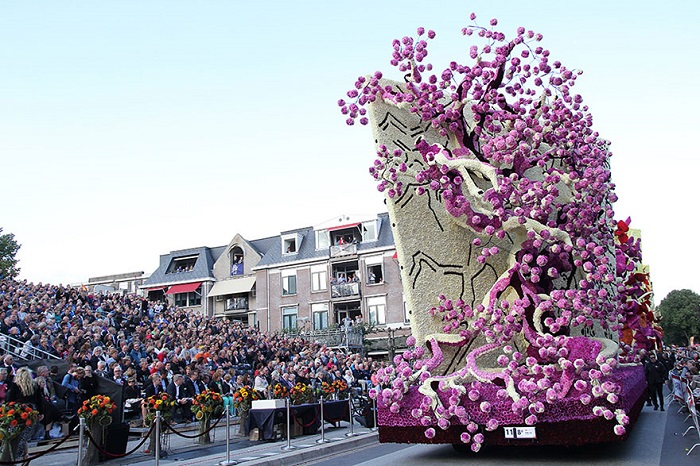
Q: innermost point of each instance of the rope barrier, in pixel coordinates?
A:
(342, 416)
(119, 455)
(170, 428)
(294, 415)
(39, 455)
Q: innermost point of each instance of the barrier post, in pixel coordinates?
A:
(157, 447)
(323, 438)
(289, 446)
(228, 460)
(81, 440)
(376, 427)
(352, 427)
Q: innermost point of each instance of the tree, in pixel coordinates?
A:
(680, 316)
(8, 251)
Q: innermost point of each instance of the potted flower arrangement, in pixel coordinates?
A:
(15, 419)
(242, 400)
(160, 403)
(205, 405)
(280, 392)
(325, 390)
(340, 388)
(97, 412)
(301, 393)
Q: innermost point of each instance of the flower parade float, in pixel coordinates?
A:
(501, 204)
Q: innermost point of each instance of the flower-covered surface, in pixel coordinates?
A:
(500, 197)
(207, 404)
(98, 408)
(15, 418)
(640, 331)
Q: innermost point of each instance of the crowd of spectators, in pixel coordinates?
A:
(660, 365)
(145, 346)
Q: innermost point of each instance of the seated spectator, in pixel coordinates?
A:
(178, 391)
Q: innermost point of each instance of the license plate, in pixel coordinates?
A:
(519, 432)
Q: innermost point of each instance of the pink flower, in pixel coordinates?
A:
(430, 432)
(619, 430)
(465, 437)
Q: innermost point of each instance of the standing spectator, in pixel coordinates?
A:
(9, 364)
(4, 385)
(72, 382)
(656, 374)
(23, 390)
(88, 383)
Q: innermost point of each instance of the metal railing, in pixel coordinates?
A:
(350, 337)
(344, 290)
(23, 350)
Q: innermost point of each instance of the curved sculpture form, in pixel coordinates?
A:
(500, 198)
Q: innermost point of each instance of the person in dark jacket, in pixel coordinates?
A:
(656, 375)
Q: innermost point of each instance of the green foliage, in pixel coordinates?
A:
(8, 251)
(680, 316)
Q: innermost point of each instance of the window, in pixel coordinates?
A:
(323, 239)
(289, 282)
(182, 264)
(376, 308)
(289, 318)
(319, 312)
(188, 299)
(236, 258)
(375, 274)
(290, 244)
(369, 231)
(319, 278)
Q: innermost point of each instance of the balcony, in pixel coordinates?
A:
(345, 290)
(237, 304)
(237, 269)
(343, 250)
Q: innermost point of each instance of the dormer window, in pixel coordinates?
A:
(290, 244)
(236, 257)
(182, 264)
(369, 231)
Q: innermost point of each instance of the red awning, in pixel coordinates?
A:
(184, 288)
(156, 288)
(343, 227)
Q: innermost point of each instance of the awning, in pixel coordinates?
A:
(184, 288)
(343, 227)
(155, 288)
(233, 286)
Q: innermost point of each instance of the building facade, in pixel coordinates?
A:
(305, 279)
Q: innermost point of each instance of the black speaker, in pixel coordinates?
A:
(116, 439)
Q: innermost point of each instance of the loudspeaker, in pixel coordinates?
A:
(116, 439)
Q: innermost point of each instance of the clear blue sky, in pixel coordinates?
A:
(131, 128)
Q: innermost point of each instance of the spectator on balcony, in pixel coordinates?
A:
(371, 278)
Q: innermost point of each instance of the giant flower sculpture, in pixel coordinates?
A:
(500, 197)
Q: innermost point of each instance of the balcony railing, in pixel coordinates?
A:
(341, 250)
(344, 290)
(237, 269)
(237, 304)
(350, 337)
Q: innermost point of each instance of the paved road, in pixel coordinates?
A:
(655, 440)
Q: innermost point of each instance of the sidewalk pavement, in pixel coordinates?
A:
(184, 451)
